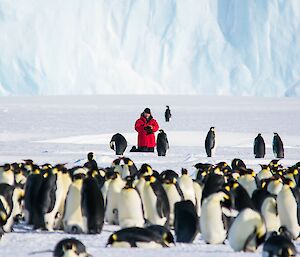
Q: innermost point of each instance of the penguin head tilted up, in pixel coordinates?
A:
(70, 247)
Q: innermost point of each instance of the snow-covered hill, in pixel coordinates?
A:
(210, 47)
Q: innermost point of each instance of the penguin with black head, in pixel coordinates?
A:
(278, 149)
(118, 143)
(168, 114)
(210, 142)
(91, 164)
(162, 143)
(70, 247)
(259, 147)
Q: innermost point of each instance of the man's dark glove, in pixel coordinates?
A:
(149, 130)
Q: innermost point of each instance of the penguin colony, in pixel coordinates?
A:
(225, 204)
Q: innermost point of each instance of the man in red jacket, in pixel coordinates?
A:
(146, 126)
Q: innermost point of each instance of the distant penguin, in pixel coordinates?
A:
(259, 147)
(73, 218)
(70, 247)
(162, 144)
(7, 175)
(137, 237)
(212, 226)
(288, 200)
(186, 184)
(130, 207)
(168, 114)
(186, 224)
(278, 149)
(91, 164)
(278, 246)
(114, 189)
(118, 143)
(210, 142)
(247, 231)
(156, 203)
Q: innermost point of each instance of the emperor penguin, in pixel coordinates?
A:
(198, 188)
(186, 184)
(125, 167)
(186, 224)
(109, 175)
(279, 246)
(137, 237)
(7, 175)
(92, 205)
(210, 142)
(288, 200)
(259, 147)
(130, 207)
(156, 203)
(264, 173)
(212, 226)
(237, 164)
(32, 188)
(73, 218)
(247, 231)
(20, 177)
(274, 185)
(168, 114)
(278, 149)
(70, 247)
(203, 170)
(114, 190)
(118, 143)
(91, 163)
(214, 183)
(174, 193)
(248, 180)
(162, 143)
(11, 198)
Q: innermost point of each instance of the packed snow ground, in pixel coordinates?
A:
(64, 129)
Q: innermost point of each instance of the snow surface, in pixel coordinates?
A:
(208, 47)
(64, 129)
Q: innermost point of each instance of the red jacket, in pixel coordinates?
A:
(144, 138)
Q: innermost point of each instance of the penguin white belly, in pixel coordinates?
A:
(125, 171)
(187, 187)
(7, 177)
(198, 194)
(114, 189)
(211, 223)
(140, 185)
(73, 213)
(243, 226)
(248, 182)
(287, 210)
(104, 190)
(269, 212)
(150, 207)
(264, 174)
(120, 244)
(148, 245)
(274, 187)
(130, 209)
(173, 197)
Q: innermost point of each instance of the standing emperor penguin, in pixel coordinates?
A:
(162, 144)
(125, 167)
(186, 184)
(288, 200)
(130, 207)
(168, 114)
(212, 226)
(92, 206)
(210, 142)
(73, 219)
(186, 223)
(259, 147)
(278, 149)
(118, 144)
(156, 203)
(112, 196)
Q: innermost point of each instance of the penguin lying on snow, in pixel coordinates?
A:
(70, 247)
(138, 237)
(118, 144)
(278, 246)
(186, 222)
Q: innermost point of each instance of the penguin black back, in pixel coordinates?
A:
(168, 114)
(186, 222)
(118, 143)
(278, 149)
(70, 244)
(210, 141)
(162, 143)
(214, 183)
(259, 147)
